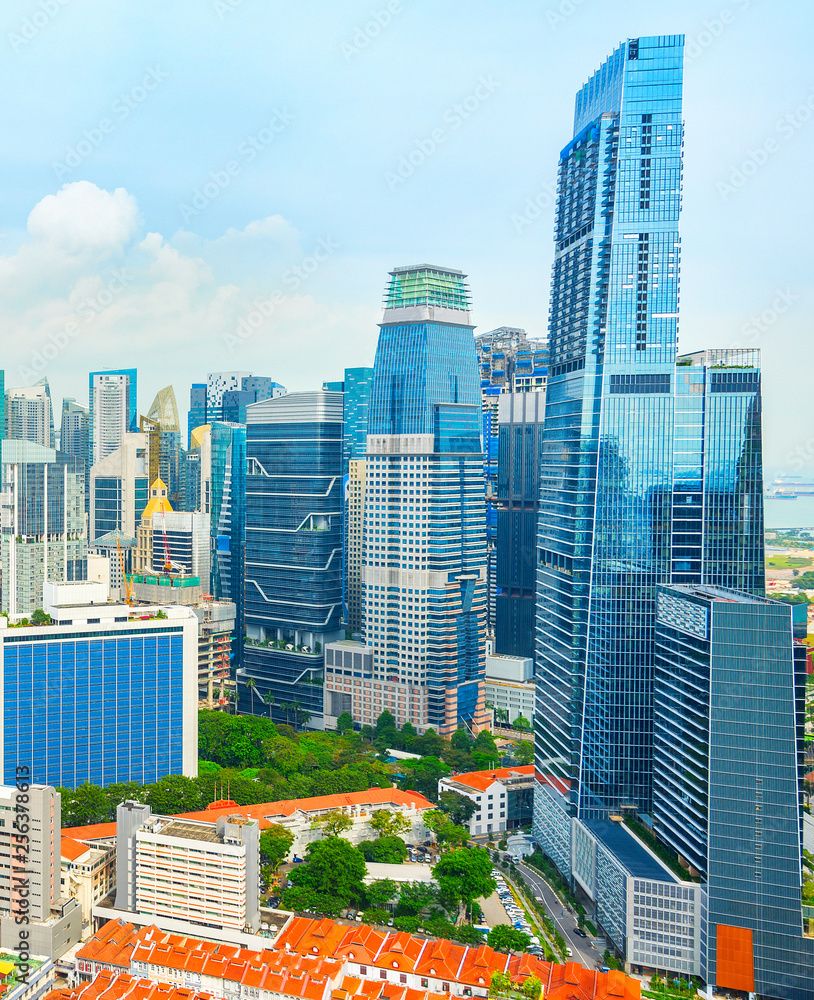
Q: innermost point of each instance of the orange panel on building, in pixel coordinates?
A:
(736, 961)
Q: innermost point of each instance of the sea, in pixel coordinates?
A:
(794, 513)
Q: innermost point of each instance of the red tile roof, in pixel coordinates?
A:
(481, 780)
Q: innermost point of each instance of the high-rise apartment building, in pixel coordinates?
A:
(106, 693)
(119, 488)
(113, 410)
(42, 504)
(293, 599)
(517, 493)
(424, 546)
(727, 798)
(28, 414)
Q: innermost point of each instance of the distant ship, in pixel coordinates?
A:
(789, 488)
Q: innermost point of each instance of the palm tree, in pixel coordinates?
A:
(250, 686)
(297, 706)
(268, 698)
(305, 717)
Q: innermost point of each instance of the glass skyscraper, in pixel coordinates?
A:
(729, 688)
(424, 545)
(293, 582)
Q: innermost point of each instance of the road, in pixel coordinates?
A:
(584, 952)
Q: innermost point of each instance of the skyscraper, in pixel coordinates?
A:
(729, 691)
(651, 475)
(43, 516)
(424, 546)
(293, 601)
(113, 410)
(163, 430)
(119, 488)
(28, 414)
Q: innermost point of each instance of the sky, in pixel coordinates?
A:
(206, 185)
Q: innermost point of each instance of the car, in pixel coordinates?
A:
(390, 922)
(580, 931)
(605, 968)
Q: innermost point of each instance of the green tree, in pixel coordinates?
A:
(388, 823)
(275, 843)
(415, 897)
(250, 685)
(39, 617)
(381, 892)
(461, 740)
(525, 752)
(174, 794)
(333, 823)
(532, 988)
(503, 937)
(423, 776)
(333, 872)
(344, 723)
(500, 983)
(385, 722)
(84, 805)
(521, 722)
(485, 743)
(459, 808)
(464, 876)
(446, 832)
(384, 850)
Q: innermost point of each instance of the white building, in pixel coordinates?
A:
(503, 797)
(109, 412)
(183, 869)
(29, 416)
(119, 485)
(510, 687)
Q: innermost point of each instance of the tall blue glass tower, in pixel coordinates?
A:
(651, 464)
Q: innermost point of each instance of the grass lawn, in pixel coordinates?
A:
(788, 562)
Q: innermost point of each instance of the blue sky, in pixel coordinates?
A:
(226, 159)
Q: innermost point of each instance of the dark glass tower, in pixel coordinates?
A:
(293, 575)
(729, 688)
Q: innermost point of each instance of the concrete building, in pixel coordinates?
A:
(510, 687)
(106, 693)
(54, 919)
(88, 875)
(354, 535)
(42, 513)
(119, 487)
(198, 872)
(216, 623)
(29, 416)
(504, 797)
(113, 411)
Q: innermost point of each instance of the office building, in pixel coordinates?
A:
(163, 432)
(199, 873)
(119, 488)
(28, 414)
(2, 404)
(197, 471)
(509, 688)
(73, 434)
(424, 545)
(509, 361)
(113, 410)
(54, 921)
(651, 475)
(117, 550)
(196, 415)
(227, 488)
(106, 693)
(354, 537)
(254, 389)
(356, 386)
(159, 504)
(169, 541)
(293, 586)
(728, 696)
(517, 497)
(43, 523)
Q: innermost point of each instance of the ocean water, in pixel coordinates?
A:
(797, 513)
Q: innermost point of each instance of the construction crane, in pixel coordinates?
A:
(128, 584)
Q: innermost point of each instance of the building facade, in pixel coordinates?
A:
(727, 791)
(104, 694)
(119, 488)
(424, 544)
(510, 689)
(517, 501)
(28, 414)
(113, 410)
(293, 589)
(42, 506)
(503, 797)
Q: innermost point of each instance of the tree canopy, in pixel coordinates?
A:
(503, 937)
(464, 876)
(330, 878)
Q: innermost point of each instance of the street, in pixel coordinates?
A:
(584, 952)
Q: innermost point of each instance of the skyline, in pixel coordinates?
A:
(339, 121)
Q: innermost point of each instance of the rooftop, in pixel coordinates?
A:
(639, 862)
(189, 831)
(425, 285)
(481, 780)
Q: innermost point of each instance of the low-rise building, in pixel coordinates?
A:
(504, 797)
(88, 874)
(199, 872)
(509, 687)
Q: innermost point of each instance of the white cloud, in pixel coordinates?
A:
(82, 218)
